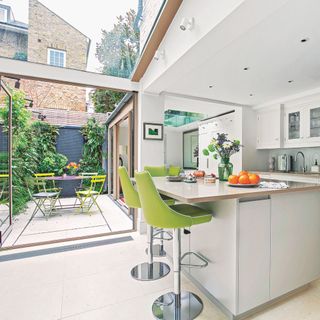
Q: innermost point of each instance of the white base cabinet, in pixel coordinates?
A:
(295, 241)
(254, 254)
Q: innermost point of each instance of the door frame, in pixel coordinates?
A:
(4, 235)
(127, 111)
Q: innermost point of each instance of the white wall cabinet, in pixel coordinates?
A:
(269, 127)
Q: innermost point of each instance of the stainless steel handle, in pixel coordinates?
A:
(207, 163)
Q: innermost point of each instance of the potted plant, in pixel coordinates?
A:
(223, 148)
(72, 168)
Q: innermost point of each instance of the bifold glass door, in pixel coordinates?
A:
(5, 164)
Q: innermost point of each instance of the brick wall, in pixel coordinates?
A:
(55, 95)
(47, 30)
(12, 42)
(151, 9)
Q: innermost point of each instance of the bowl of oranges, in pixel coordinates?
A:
(244, 179)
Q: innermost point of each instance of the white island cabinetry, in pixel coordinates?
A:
(260, 244)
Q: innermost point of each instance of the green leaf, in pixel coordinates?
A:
(205, 152)
(211, 148)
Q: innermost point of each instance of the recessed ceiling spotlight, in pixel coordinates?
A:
(290, 81)
(251, 95)
(211, 86)
(246, 68)
(304, 40)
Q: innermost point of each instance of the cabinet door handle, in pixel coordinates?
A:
(207, 163)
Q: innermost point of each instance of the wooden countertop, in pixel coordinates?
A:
(201, 192)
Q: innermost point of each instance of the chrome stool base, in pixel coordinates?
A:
(157, 251)
(150, 271)
(166, 307)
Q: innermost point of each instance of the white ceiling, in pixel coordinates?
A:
(271, 49)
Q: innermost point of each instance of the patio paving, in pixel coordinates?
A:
(68, 223)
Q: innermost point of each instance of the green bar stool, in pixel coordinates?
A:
(151, 270)
(159, 233)
(174, 305)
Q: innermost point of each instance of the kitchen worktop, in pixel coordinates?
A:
(302, 174)
(201, 192)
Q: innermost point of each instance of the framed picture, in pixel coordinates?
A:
(153, 131)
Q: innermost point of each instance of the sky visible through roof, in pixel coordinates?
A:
(89, 17)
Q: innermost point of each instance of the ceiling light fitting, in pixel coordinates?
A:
(246, 68)
(304, 40)
(186, 23)
(158, 54)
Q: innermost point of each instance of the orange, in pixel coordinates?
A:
(254, 178)
(241, 173)
(233, 179)
(244, 179)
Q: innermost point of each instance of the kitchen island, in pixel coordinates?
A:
(261, 244)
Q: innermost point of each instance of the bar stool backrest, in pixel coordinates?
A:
(156, 212)
(131, 196)
(156, 171)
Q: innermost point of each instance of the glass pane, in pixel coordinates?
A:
(294, 125)
(97, 36)
(176, 118)
(190, 149)
(315, 122)
(4, 166)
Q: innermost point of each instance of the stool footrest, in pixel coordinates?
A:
(191, 265)
(164, 235)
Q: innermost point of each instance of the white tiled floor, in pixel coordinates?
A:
(68, 223)
(95, 284)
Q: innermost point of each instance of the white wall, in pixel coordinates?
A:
(173, 147)
(150, 152)
(150, 110)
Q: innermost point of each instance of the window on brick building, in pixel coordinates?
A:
(56, 58)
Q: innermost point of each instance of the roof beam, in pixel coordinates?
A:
(43, 72)
(168, 13)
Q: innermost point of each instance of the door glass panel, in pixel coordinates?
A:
(294, 120)
(315, 122)
(4, 178)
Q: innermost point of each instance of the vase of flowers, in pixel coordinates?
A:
(72, 168)
(223, 148)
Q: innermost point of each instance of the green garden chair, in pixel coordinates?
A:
(151, 270)
(173, 305)
(46, 194)
(89, 197)
(4, 191)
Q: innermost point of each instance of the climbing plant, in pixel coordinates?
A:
(94, 136)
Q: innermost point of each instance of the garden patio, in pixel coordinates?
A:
(59, 177)
(67, 223)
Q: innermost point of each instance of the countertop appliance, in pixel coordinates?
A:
(284, 162)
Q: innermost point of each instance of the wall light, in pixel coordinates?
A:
(159, 54)
(186, 24)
